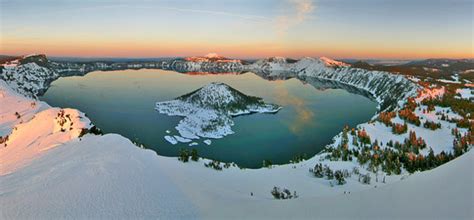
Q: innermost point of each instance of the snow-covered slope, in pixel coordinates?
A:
(390, 90)
(271, 64)
(29, 79)
(16, 109)
(108, 177)
(208, 111)
(29, 128)
(443, 193)
(97, 177)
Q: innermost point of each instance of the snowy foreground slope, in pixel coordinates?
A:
(109, 177)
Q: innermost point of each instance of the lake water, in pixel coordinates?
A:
(123, 102)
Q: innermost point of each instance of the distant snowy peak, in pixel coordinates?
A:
(332, 63)
(211, 57)
(214, 56)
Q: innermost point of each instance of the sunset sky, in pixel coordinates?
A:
(395, 29)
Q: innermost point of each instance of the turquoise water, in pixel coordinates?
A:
(123, 102)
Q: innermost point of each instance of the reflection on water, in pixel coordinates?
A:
(304, 115)
(123, 102)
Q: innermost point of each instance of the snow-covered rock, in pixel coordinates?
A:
(171, 140)
(208, 111)
(29, 79)
(207, 141)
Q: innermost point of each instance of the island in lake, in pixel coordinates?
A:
(208, 112)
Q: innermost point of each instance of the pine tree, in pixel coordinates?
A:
(318, 170)
(329, 173)
(194, 155)
(339, 177)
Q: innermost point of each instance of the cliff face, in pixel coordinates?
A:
(29, 79)
(33, 74)
(388, 89)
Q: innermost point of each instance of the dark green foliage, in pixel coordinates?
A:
(328, 172)
(184, 155)
(339, 177)
(3, 139)
(267, 163)
(194, 155)
(399, 128)
(299, 158)
(216, 165)
(431, 125)
(317, 170)
(365, 179)
(95, 130)
(277, 193)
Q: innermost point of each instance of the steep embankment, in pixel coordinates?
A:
(30, 79)
(389, 90)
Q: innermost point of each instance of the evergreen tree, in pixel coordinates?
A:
(339, 177)
(194, 155)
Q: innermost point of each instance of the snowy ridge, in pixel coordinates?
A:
(204, 66)
(29, 127)
(32, 75)
(29, 79)
(334, 63)
(271, 64)
(208, 111)
(388, 89)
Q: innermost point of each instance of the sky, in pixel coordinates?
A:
(378, 29)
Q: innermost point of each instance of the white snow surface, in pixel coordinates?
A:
(171, 140)
(466, 93)
(108, 177)
(97, 177)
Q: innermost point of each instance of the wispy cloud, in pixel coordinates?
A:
(300, 9)
(220, 13)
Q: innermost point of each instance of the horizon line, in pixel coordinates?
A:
(242, 58)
